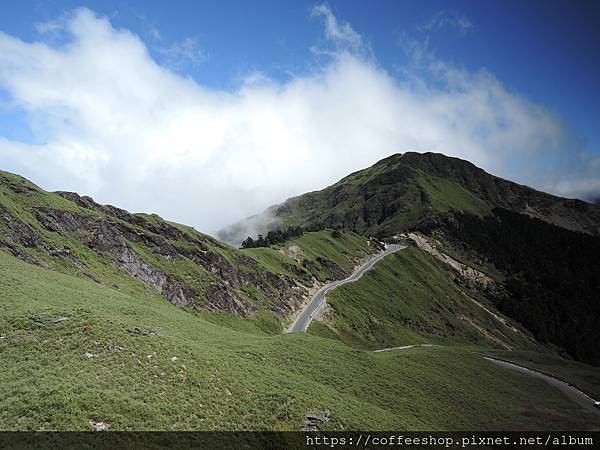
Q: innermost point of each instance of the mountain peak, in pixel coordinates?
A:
(400, 191)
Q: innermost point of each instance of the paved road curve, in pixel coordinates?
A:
(582, 399)
(303, 320)
(579, 397)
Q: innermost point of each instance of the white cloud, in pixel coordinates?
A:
(586, 187)
(340, 34)
(50, 26)
(444, 19)
(119, 127)
(579, 178)
(184, 53)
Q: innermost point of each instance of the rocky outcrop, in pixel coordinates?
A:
(110, 239)
(468, 275)
(18, 231)
(336, 271)
(146, 248)
(221, 299)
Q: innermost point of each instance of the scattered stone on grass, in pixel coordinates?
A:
(311, 421)
(60, 319)
(101, 350)
(309, 426)
(99, 426)
(143, 332)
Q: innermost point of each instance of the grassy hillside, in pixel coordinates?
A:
(324, 255)
(584, 376)
(136, 362)
(543, 249)
(142, 254)
(399, 192)
(87, 335)
(409, 297)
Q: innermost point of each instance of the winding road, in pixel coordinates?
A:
(579, 397)
(570, 391)
(303, 320)
(305, 317)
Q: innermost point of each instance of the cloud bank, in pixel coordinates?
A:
(108, 121)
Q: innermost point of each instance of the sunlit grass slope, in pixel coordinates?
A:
(194, 375)
(410, 297)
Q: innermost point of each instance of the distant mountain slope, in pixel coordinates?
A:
(552, 275)
(444, 198)
(400, 191)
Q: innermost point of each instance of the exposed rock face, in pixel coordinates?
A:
(19, 231)
(337, 272)
(469, 276)
(16, 235)
(109, 238)
(221, 299)
(177, 292)
(188, 268)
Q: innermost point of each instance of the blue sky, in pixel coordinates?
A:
(512, 86)
(548, 51)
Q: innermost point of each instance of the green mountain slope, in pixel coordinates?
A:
(124, 361)
(397, 193)
(551, 274)
(410, 298)
(544, 248)
(144, 254)
(129, 321)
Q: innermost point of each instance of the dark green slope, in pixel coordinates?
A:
(398, 192)
(552, 275)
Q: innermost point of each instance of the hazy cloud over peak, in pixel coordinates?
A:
(108, 121)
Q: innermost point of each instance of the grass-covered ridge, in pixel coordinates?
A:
(194, 375)
(142, 254)
(388, 203)
(387, 198)
(401, 191)
(410, 297)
